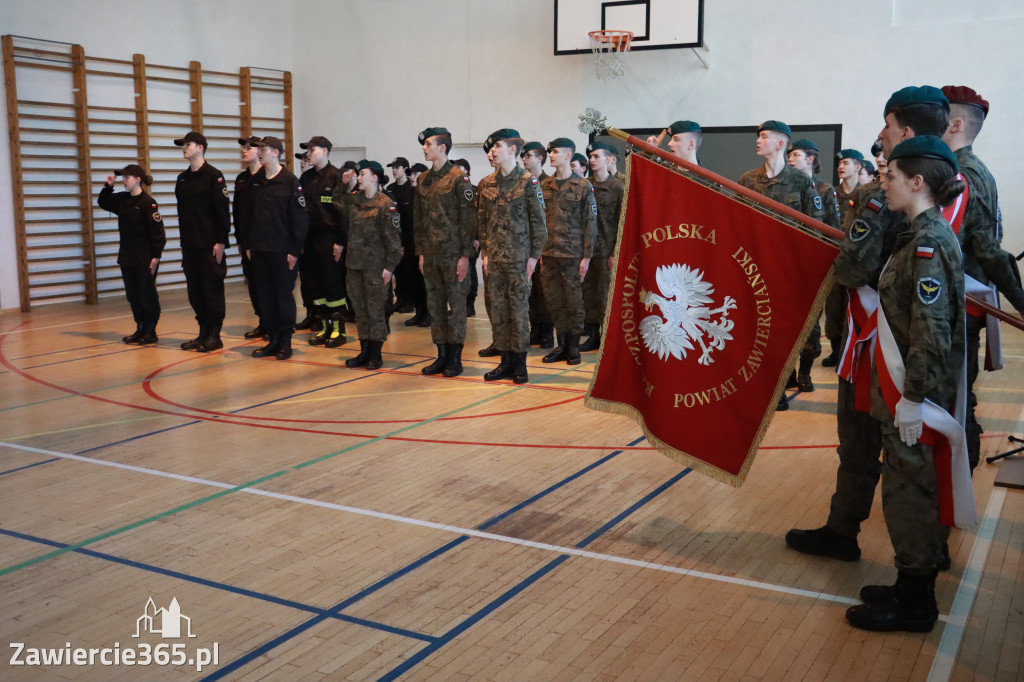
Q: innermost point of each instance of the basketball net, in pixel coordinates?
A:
(610, 48)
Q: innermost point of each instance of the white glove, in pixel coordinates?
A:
(909, 420)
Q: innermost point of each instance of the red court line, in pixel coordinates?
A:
(255, 424)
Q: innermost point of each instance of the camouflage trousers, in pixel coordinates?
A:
(812, 345)
(910, 502)
(508, 291)
(446, 299)
(367, 293)
(564, 293)
(539, 313)
(595, 290)
(860, 447)
(972, 427)
(835, 315)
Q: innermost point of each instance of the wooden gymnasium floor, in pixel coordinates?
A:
(318, 522)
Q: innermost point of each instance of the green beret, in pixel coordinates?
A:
(532, 147)
(498, 136)
(597, 144)
(806, 145)
(850, 154)
(683, 127)
(373, 166)
(924, 146)
(563, 142)
(579, 157)
(430, 132)
(925, 94)
(777, 126)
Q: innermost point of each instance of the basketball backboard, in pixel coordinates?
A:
(656, 24)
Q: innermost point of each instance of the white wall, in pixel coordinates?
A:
(374, 73)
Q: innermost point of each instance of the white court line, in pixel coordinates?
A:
(956, 623)
(770, 587)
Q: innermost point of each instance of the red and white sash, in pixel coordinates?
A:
(862, 329)
(954, 215)
(942, 431)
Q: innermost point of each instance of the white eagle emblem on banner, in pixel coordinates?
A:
(685, 316)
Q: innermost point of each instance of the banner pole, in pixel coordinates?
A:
(824, 229)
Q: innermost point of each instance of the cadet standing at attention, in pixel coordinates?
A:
(986, 265)
(921, 300)
(204, 221)
(241, 210)
(542, 329)
(277, 233)
(608, 191)
(141, 241)
(374, 249)
(444, 212)
(572, 232)
(324, 243)
(512, 236)
(779, 181)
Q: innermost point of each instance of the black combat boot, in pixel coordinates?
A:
(503, 370)
(148, 335)
(415, 320)
(257, 332)
(791, 382)
(572, 350)
(833, 358)
(364, 353)
(192, 344)
(547, 335)
(336, 334)
(783, 404)
(803, 377)
(270, 348)
(824, 542)
(438, 365)
(519, 373)
(374, 360)
(908, 605)
(212, 341)
(307, 321)
(558, 354)
(133, 338)
(593, 341)
(284, 343)
(454, 366)
(489, 352)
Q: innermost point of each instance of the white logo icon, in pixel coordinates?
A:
(685, 316)
(164, 622)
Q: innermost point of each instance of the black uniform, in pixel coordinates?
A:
(241, 211)
(142, 238)
(278, 229)
(327, 226)
(203, 221)
(409, 285)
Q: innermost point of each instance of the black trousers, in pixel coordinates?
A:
(204, 281)
(274, 285)
(325, 274)
(140, 289)
(250, 282)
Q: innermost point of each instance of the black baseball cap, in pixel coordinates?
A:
(348, 165)
(399, 161)
(317, 141)
(251, 141)
(192, 136)
(272, 142)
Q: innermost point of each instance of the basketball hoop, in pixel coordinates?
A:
(610, 48)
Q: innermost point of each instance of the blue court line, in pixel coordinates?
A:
(408, 568)
(447, 637)
(280, 601)
(28, 466)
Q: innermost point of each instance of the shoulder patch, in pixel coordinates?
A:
(225, 190)
(859, 230)
(925, 251)
(533, 181)
(875, 205)
(593, 209)
(540, 195)
(391, 208)
(396, 221)
(817, 203)
(302, 201)
(928, 290)
(468, 194)
(220, 179)
(156, 217)
(465, 178)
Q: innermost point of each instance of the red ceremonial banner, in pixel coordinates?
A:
(712, 301)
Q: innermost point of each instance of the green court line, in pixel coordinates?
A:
(103, 536)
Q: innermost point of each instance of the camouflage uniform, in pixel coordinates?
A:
(835, 302)
(540, 315)
(512, 230)
(928, 327)
(374, 245)
(829, 204)
(796, 190)
(870, 234)
(444, 213)
(572, 232)
(985, 261)
(608, 195)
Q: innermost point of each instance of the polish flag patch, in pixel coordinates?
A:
(875, 205)
(925, 252)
